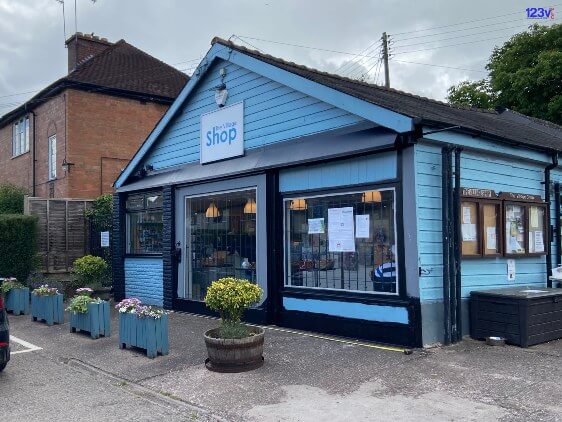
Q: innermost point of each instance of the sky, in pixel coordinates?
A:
(433, 44)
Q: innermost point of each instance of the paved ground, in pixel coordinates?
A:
(303, 379)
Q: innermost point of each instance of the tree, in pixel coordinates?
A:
(472, 94)
(525, 76)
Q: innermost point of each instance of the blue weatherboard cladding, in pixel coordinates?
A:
(272, 113)
(168, 261)
(118, 246)
(144, 279)
(478, 170)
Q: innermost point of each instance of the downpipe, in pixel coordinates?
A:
(548, 202)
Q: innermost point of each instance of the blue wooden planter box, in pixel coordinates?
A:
(145, 333)
(47, 308)
(17, 301)
(95, 321)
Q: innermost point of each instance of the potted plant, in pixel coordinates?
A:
(143, 326)
(233, 346)
(16, 296)
(89, 314)
(46, 305)
(92, 271)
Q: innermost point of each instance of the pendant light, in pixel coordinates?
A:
(212, 211)
(298, 204)
(250, 207)
(372, 196)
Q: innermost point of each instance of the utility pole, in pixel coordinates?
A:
(385, 60)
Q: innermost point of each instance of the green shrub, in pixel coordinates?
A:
(90, 269)
(11, 199)
(18, 245)
(230, 297)
(79, 304)
(101, 212)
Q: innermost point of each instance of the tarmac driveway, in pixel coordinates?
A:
(308, 378)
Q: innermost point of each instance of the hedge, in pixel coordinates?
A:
(18, 245)
(11, 199)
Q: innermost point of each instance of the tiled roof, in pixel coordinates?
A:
(500, 124)
(120, 69)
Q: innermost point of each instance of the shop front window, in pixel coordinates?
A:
(144, 223)
(342, 241)
(222, 232)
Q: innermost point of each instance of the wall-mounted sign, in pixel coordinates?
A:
(511, 196)
(104, 239)
(222, 133)
(478, 193)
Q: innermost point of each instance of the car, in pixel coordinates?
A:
(4, 336)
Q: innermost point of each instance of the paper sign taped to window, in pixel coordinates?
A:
(491, 238)
(466, 215)
(341, 230)
(362, 226)
(539, 242)
(104, 239)
(316, 226)
(468, 232)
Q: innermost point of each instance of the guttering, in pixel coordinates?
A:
(548, 202)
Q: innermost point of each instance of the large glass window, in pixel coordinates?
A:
(144, 223)
(20, 136)
(52, 157)
(222, 229)
(342, 241)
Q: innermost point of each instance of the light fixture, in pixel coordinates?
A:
(250, 207)
(298, 204)
(372, 196)
(66, 165)
(212, 211)
(221, 94)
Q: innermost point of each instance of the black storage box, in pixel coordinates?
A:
(524, 316)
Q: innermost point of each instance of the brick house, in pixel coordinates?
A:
(82, 129)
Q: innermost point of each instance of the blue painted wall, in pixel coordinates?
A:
(478, 170)
(369, 169)
(144, 280)
(273, 113)
(379, 313)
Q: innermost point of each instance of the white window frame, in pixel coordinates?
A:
(52, 157)
(20, 137)
(286, 266)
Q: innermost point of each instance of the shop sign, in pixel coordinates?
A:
(478, 193)
(511, 196)
(222, 134)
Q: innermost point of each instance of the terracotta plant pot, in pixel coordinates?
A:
(234, 355)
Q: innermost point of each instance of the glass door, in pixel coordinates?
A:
(220, 239)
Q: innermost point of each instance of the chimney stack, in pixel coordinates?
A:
(81, 47)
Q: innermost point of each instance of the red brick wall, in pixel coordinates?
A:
(104, 133)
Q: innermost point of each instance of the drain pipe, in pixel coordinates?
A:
(457, 245)
(548, 202)
(557, 237)
(33, 157)
(446, 164)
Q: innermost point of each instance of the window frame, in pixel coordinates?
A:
(144, 209)
(20, 136)
(480, 202)
(527, 206)
(52, 157)
(287, 197)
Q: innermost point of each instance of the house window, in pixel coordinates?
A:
(144, 223)
(20, 137)
(344, 241)
(52, 157)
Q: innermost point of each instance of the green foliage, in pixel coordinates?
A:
(90, 269)
(233, 330)
(9, 284)
(525, 76)
(472, 94)
(101, 212)
(18, 245)
(11, 199)
(230, 297)
(79, 304)
(45, 290)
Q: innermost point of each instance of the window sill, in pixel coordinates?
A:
(342, 295)
(20, 155)
(143, 255)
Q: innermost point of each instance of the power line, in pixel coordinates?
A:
(437, 65)
(361, 63)
(449, 45)
(365, 50)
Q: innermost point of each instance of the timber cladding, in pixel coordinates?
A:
(62, 231)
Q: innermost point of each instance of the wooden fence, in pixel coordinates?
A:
(63, 231)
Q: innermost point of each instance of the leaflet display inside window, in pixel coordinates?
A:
(144, 223)
(342, 241)
(515, 229)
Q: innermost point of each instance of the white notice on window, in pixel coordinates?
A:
(511, 269)
(534, 217)
(466, 215)
(362, 226)
(491, 238)
(104, 239)
(315, 226)
(468, 232)
(539, 243)
(340, 230)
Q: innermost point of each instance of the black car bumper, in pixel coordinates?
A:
(4, 354)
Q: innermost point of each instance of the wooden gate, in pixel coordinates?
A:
(63, 231)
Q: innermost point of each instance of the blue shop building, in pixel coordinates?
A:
(361, 211)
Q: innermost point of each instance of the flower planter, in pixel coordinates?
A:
(146, 333)
(47, 308)
(17, 301)
(95, 321)
(234, 355)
